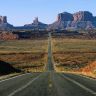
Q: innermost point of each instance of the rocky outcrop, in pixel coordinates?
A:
(4, 24)
(83, 16)
(8, 36)
(83, 20)
(65, 17)
(94, 18)
(65, 20)
(78, 20)
(36, 24)
(3, 19)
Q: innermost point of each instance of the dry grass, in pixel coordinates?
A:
(16, 46)
(73, 45)
(74, 55)
(28, 55)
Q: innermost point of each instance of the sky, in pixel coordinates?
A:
(20, 12)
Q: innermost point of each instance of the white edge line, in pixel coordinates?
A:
(87, 77)
(12, 77)
(80, 85)
(23, 87)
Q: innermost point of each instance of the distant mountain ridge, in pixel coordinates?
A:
(78, 20)
(65, 20)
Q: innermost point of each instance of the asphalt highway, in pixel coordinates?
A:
(48, 83)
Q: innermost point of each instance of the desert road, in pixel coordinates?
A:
(49, 83)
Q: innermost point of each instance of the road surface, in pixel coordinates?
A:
(48, 83)
(49, 66)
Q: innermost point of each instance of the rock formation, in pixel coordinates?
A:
(4, 24)
(3, 19)
(36, 24)
(83, 16)
(65, 17)
(78, 20)
(65, 20)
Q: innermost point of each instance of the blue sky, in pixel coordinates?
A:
(20, 12)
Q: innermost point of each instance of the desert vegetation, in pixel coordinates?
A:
(75, 55)
(8, 36)
(27, 55)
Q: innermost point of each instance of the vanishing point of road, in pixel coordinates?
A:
(49, 83)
